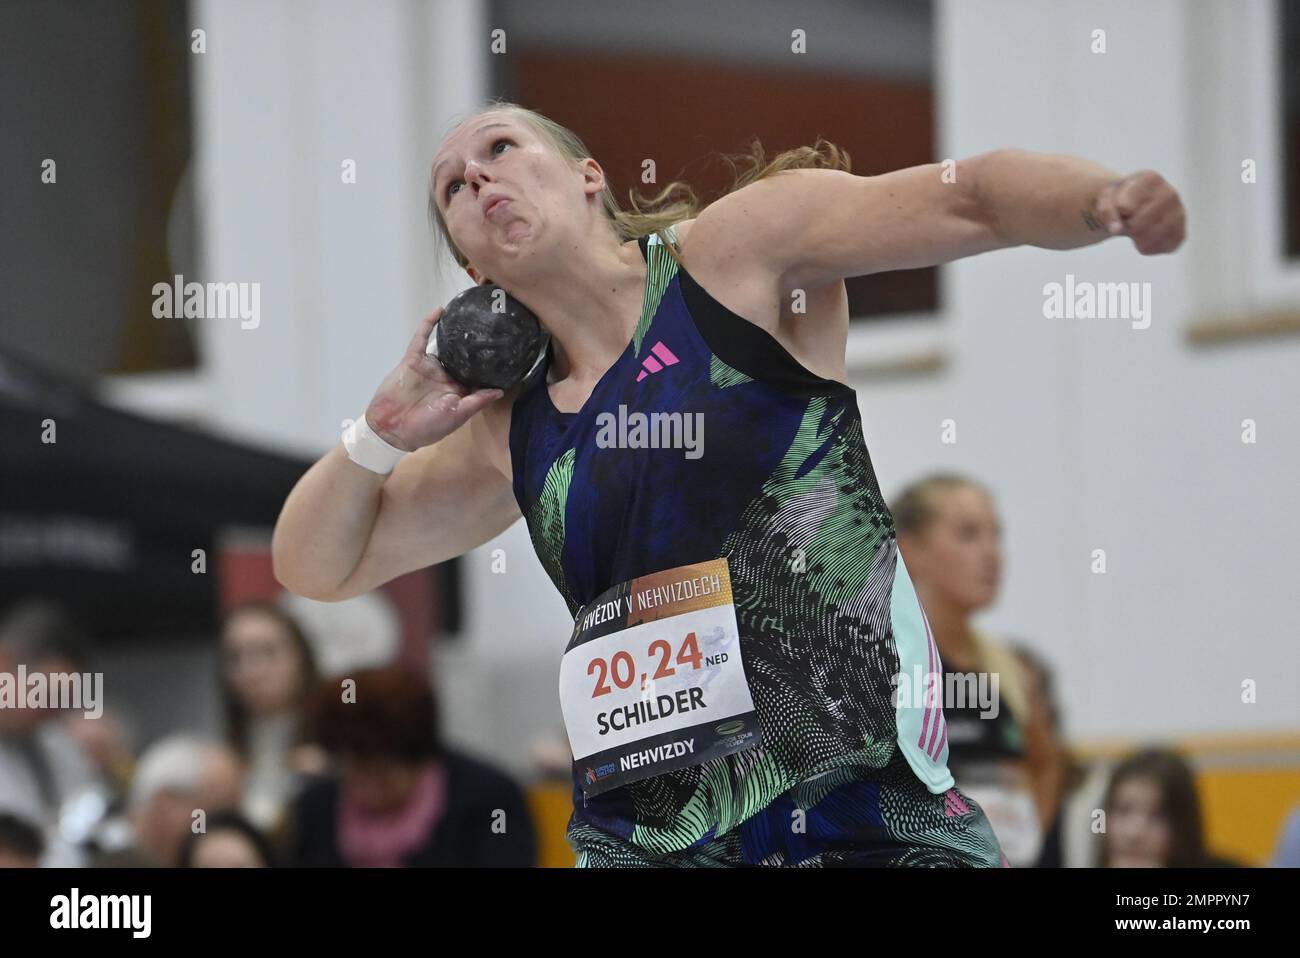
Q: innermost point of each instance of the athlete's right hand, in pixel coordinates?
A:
(418, 403)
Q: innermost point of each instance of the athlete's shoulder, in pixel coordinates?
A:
(748, 228)
(727, 258)
(717, 260)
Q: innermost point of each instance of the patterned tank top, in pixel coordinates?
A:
(782, 485)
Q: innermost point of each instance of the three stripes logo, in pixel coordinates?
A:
(954, 805)
(933, 700)
(660, 356)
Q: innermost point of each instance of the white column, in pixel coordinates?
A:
(285, 93)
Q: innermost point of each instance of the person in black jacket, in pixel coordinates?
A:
(401, 798)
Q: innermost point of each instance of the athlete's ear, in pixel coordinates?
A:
(593, 176)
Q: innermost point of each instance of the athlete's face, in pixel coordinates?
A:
(959, 554)
(1136, 828)
(544, 197)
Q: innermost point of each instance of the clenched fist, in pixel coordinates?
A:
(1144, 206)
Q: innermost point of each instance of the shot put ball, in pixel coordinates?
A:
(487, 339)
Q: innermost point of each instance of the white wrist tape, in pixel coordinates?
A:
(366, 448)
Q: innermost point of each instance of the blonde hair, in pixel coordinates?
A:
(675, 202)
(914, 508)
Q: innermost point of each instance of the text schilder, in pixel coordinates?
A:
(650, 709)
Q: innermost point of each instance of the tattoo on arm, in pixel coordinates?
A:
(1089, 218)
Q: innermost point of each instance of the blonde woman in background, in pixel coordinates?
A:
(1003, 756)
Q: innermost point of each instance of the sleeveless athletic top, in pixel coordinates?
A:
(784, 490)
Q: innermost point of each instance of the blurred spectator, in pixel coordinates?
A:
(42, 768)
(551, 758)
(230, 841)
(21, 845)
(950, 538)
(402, 798)
(1055, 773)
(267, 672)
(1288, 846)
(105, 742)
(175, 778)
(1153, 815)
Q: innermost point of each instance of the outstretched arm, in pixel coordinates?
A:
(818, 226)
(1062, 202)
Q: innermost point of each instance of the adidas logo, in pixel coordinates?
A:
(953, 804)
(652, 365)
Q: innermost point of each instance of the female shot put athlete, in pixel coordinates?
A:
(736, 313)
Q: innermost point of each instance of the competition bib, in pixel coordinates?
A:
(652, 678)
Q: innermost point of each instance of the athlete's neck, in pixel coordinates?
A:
(590, 307)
